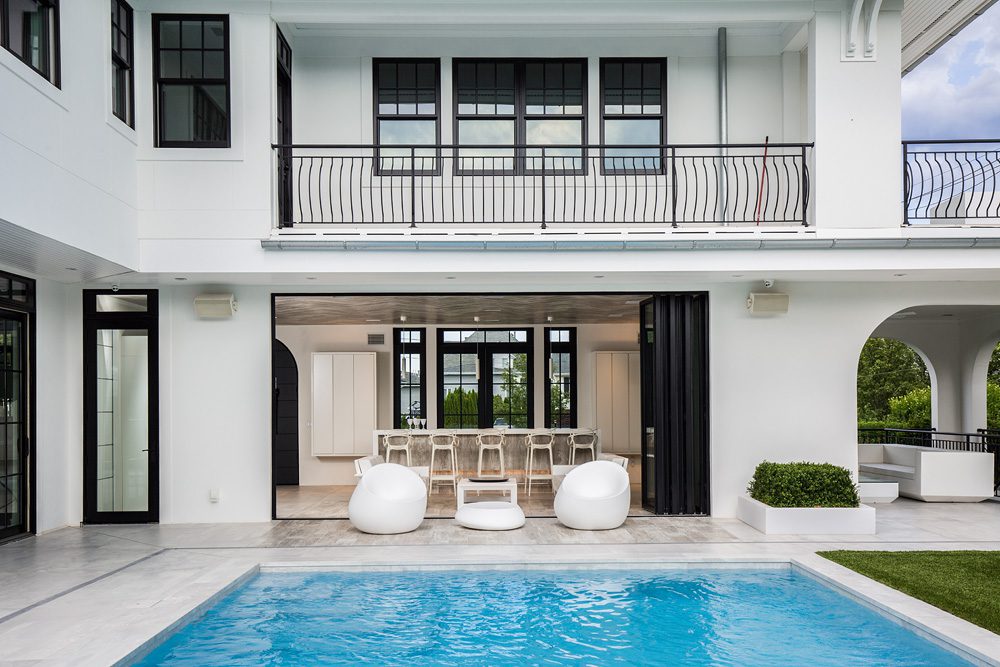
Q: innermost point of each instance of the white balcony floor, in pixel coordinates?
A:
(92, 595)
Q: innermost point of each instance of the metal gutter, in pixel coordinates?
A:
(573, 245)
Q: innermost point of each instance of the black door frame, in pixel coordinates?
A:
(92, 322)
(25, 310)
(701, 329)
(283, 94)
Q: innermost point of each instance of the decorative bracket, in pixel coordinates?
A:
(853, 26)
(872, 32)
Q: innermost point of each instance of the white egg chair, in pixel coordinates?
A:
(594, 496)
(389, 499)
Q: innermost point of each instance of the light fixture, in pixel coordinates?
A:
(475, 318)
(898, 275)
(492, 310)
(598, 276)
(617, 315)
(449, 277)
(548, 318)
(310, 277)
(373, 320)
(632, 302)
(180, 278)
(402, 318)
(737, 275)
(70, 268)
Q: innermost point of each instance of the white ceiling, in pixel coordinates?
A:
(927, 24)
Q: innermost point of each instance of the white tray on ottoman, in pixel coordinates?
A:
(490, 515)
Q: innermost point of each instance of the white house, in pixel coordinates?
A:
(529, 185)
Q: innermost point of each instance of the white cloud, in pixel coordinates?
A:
(955, 93)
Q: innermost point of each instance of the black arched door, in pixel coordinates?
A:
(285, 424)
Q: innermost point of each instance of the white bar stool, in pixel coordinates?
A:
(537, 442)
(444, 442)
(397, 442)
(586, 440)
(490, 441)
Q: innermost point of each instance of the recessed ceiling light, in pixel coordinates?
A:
(71, 268)
(898, 275)
(373, 320)
(402, 318)
(617, 315)
(737, 275)
(490, 321)
(548, 318)
(475, 318)
(310, 277)
(492, 310)
(633, 302)
(449, 277)
(180, 278)
(598, 276)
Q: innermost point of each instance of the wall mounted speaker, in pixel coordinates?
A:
(215, 306)
(767, 303)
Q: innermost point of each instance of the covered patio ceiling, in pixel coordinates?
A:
(491, 309)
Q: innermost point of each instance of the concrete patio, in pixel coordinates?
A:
(93, 595)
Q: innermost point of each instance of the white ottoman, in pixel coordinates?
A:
(490, 515)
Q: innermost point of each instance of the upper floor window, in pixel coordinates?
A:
(407, 113)
(30, 30)
(633, 113)
(191, 80)
(539, 104)
(122, 77)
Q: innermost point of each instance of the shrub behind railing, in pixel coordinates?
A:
(803, 484)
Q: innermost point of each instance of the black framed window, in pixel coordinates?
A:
(122, 55)
(409, 353)
(560, 377)
(191, 80)
(407, 113)
(485, 378)
(633, 113)
(539, 104)
(30, 30)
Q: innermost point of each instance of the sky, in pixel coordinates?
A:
(955, 93)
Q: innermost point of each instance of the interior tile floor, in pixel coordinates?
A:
(93, 595)
(330, 502)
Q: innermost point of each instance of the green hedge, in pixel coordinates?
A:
(803, 485)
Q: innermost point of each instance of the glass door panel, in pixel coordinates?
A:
(647, 357)
(13, 424)
(122, 384)
(509, 389)
(461, 390)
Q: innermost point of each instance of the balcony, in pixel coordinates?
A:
(951, 182)
(668, 186)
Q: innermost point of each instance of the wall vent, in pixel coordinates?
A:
(376, 339)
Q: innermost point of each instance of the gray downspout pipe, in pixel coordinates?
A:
(723, 121)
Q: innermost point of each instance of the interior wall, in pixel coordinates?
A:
(303, 340)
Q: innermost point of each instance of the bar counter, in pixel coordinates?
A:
(514, 448)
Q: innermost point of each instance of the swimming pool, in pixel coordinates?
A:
(571, 617)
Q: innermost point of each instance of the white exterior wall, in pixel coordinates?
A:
(68, 168)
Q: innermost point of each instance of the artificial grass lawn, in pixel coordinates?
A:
(963, 583)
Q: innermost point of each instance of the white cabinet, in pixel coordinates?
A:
(617, 403)
(344, 403)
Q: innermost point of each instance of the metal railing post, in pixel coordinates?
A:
(413, 187)
(906, 186)
(805, 190)
(543, 187)
(673, 186)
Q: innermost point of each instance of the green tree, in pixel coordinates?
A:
(993, 374)
(510, 397)
(887, 369)
(913, 409)
(992, 405)
(461, 408)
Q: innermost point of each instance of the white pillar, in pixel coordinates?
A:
(854, 118)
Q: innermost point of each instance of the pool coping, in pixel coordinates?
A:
(967, 640)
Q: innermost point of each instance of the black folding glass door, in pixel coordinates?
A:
(16, 408)
(121, 469)
(674, 387)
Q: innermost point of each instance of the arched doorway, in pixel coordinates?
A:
(285, 424)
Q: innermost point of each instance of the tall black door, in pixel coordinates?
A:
(13, 423)
(675, 442)
(285, 425)
(284, 128)
(121, 406)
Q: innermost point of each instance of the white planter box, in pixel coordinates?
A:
(806, 520)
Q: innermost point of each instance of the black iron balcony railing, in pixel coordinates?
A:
(669, 185)
(951, 181)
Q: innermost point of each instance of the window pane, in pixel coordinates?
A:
(170, 64)
(191, 64)
(194, 113)
(29, 27)
(407, 132)
(122, 303)
(170, 34)
(214, 35)
(485, 88)
(486, 132)
(191, 34)
(215, 65)
(553, 133)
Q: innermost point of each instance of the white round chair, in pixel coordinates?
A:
(389, 499)
(594, 496)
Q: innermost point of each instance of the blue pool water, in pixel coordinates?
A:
(577, 617)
